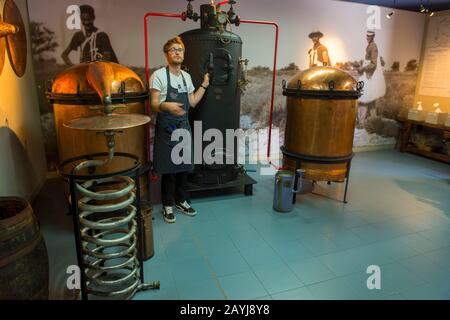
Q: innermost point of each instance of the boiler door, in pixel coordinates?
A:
(219, 64)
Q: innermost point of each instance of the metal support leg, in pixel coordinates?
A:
(347, 178)
(77, 233)
(140, 221)
(149, 186)
(155, 285)
(294, 196)
(297, 166)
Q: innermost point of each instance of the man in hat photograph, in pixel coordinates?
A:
(90, 42)
(373, 78)
(371, 57)
(318, 54)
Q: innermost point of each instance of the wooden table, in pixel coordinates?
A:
(406, 146)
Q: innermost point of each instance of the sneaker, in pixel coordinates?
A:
(185, 208)
(168, 215)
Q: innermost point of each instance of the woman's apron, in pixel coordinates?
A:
(166, 124)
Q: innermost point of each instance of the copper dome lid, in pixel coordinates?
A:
(323, 82)
(89, 83)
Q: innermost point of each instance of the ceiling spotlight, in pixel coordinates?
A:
(431, 13)
(422, 8)
(390, 14)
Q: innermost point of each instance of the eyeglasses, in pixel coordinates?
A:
(173, 50)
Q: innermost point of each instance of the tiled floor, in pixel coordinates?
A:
(398, 217)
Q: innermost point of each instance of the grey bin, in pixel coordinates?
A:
(283, 194)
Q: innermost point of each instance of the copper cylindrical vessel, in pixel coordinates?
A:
(80, 93)
(321, 115)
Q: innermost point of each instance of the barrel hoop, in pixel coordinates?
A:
(17, 218)
(16, 229)
(13, 226)
(316, 159)
(322, 94)
(94, 99)
(22, 250)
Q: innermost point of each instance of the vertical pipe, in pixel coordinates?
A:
(147, 75)
(273, 77)
(147, 15)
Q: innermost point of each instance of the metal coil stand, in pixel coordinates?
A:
(108, 226)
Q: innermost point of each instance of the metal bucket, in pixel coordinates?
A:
(283, 195)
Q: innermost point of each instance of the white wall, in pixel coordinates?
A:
(22, 159)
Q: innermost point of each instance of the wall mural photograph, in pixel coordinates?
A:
(367, 46)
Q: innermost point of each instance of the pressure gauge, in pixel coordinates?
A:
(222, 18)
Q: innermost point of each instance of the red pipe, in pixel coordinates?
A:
(273, 79)
(147, 75)
(223, 2)
(153, 14)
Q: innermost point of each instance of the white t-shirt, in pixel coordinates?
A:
(158, 81)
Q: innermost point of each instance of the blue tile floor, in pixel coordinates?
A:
(397, 218)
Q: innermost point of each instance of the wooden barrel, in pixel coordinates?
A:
(24, 270)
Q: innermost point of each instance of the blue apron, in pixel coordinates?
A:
(166, 123)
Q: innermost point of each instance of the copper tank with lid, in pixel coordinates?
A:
(320, 123)
(81, 91)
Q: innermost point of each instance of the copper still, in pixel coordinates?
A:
(320, 123)
(105, 191)
(14, 34)
(80, 92)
